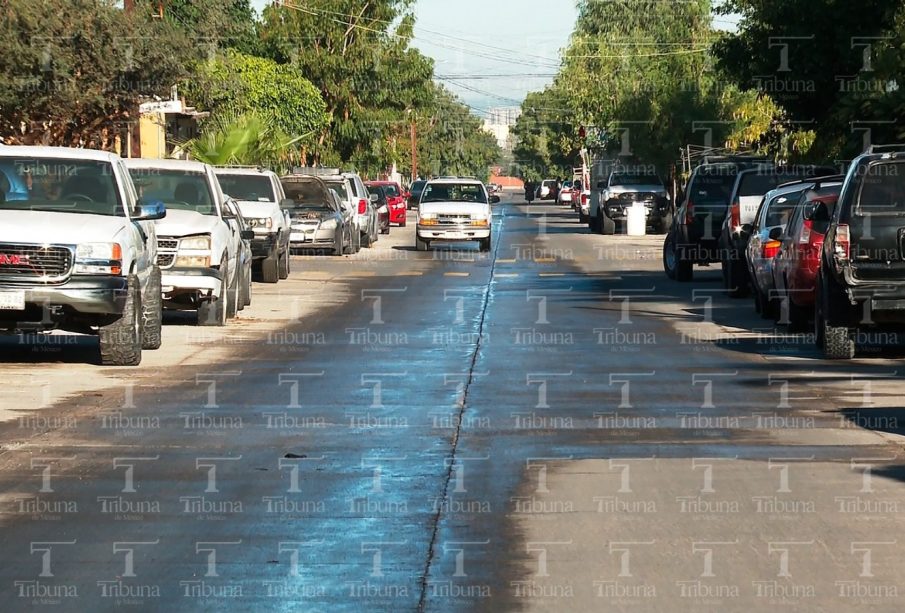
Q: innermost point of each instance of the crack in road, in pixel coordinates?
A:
(422, 599)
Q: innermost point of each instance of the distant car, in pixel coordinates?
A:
(380, 197)
(798, 261)
(624, 187)
(415, 193)
(318, 217)
(454, 210)
(548, 190)
(565, 193)
(395, 201)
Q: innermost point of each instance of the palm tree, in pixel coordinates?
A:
(247, 139)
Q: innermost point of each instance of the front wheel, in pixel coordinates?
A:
(213, 312)
(485, 244)
(284, 265)
(152, 313)
(270, 268)
(421, 245)
(120, 341)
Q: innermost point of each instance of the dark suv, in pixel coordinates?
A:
(694, 234)
(861, 283)
(624, 187)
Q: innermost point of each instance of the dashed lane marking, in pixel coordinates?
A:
(551, 274)
(410, 273)
(509, 261)
(506, 275)
(456, 274)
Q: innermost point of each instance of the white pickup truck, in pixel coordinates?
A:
(262, 201)
(454, 210)
(200, 247)
(78, 250)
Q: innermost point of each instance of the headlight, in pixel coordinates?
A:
(99, 259)
(195, 243)
(330, 224)
(428, 219)
(193, 261)
(259, 223)
(480, 222)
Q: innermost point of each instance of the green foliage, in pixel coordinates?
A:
(546, 135)
(248, 139)
(211, 24)
(73, 71)
(234, 84)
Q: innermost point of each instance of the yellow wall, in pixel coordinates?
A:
(153, 135)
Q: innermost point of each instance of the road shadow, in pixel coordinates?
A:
(49, 348)
(879, 419)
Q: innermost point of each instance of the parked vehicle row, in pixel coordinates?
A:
(817, 247)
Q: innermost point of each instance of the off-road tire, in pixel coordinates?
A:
(484, 244)
(213, 312)
(607, 225)
(232, 297)
(270, 268)
(835, 341)
(421, 245)
(284, 265)
(152, 313)
(120, 341)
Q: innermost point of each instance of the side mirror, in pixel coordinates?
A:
(287, 203)
(494, 199)
(818, 212)
(776, 234)
(374, 198)
(247, 235)
(149, 211)
(383, 209)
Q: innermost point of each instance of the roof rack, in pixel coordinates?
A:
(817, 181)
(893, 147)
(240, 167)
(316, 172)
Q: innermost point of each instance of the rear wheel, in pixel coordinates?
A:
(835, 341)
(120, 341)
(284, 265)
(152, 313)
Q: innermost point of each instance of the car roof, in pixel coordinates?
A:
(58, 152)
(225, 170)
(455, 181)
(185, 165)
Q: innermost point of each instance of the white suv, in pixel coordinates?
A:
(199, 244)
(454, 210)
(78, 250)
(261, 199)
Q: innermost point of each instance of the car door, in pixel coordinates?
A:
(141, 233)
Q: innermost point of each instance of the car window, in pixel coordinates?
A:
(178, 189)
(454, 192)
(391, 190)
(253, 188)
(61, 185)
(418, 186)
(711, 188)
(635, 179)
(882, 189)
(341, 188)
(780, 208)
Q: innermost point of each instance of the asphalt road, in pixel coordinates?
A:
(468, 431)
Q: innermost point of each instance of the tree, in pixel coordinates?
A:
(546, 135)
(72, 72)
(211, 24)
(247, 139)
(233, 83)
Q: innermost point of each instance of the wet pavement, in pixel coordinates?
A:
(402, 449)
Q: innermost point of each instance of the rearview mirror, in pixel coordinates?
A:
(776, 234)
(151, 210)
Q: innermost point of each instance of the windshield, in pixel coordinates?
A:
(178, 189)
(252, 188)
(59, 185)
(379, 190)
(417, 187)
(779, 210)
(305, 193)
(711, 188)
(635, 180)
(454, 192)
(389, 189)
(340, 187)
(759, 183)
(883, 189)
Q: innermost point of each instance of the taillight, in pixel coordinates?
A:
(770, 249)
(689, 213)
(842, 244)
(584, 199)
(805, 237)
(735, 215)
(362, 206)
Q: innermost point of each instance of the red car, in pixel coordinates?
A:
(396, 200)
(796, 265)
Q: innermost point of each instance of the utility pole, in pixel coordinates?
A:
(128, 5)
(414, 150)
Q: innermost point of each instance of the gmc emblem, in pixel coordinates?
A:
(13, 260)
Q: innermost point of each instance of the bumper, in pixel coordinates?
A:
(176, 281)
(397, 215)
(300, 238)
(262, 245)
(92, 295)
(565, 197)
(453, 233)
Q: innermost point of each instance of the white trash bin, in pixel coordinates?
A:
(636, 222)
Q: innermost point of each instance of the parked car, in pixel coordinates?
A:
(798, 261)
(199, 243)
(78, 250)
(693, 235)
(319, 219)
(395, 202)
(565, 193)
(380, 196)
(773, 213)
(454, 210)
(246, 256)
(624, 187)
(415, 190)
(750, 186)
(259, 194)
(548, 189)
(367, 212)
(581, 202)
(861, 283)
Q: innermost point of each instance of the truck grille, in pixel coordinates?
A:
(45, 263)
(454, 219)
(166, 251)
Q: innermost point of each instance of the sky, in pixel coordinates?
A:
(491, 53)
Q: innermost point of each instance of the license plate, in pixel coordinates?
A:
(454, 235)
(12, 300)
